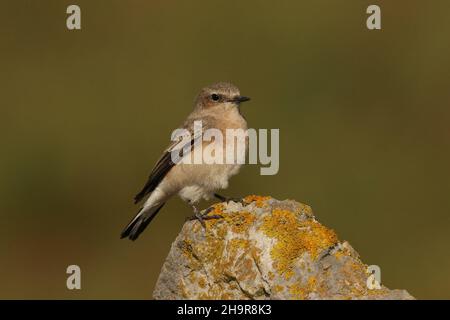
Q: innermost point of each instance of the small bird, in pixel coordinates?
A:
(216, 106)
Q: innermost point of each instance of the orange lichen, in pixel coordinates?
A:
(202, 282)
(226, 296)
(256, 254)
(297, 291)
(358, 266)
(239, 243)
(240, 222)
(339, 254)
(377, 292)
(300, 291)
(225, 259)
(260, 201)
(312, 282)
(306, 210)
(295, 237)
(204, 296)
(192, 277)
(182, 288)
(277, 288)
(217, 209)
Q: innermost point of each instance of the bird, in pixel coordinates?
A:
(217, 106)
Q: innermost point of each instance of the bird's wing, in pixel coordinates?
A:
(165, 163)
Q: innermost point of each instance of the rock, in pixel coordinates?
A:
(264, 249)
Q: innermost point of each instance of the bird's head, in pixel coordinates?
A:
(220, 95)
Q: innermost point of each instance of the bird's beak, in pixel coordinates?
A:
(240, 99)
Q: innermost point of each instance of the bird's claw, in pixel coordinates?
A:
(201, 217)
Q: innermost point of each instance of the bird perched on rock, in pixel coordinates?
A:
(217, 107)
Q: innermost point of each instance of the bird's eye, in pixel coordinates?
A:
(215, 97)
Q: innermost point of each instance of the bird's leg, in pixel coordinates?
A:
(201, 217)
(221, 198)
(228, 199)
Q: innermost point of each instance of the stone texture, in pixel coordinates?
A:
(264, 249)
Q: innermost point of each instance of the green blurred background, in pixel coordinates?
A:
(363, 118)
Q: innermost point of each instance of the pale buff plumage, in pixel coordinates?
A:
(193, 182)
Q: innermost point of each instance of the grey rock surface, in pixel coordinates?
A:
(265, 249)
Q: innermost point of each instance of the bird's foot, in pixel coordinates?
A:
(201, 217)
(228, 199)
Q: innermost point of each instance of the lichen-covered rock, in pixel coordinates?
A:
(264, 249)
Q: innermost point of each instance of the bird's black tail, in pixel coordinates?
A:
(140, 222)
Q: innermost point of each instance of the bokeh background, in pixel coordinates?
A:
(363, 118)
